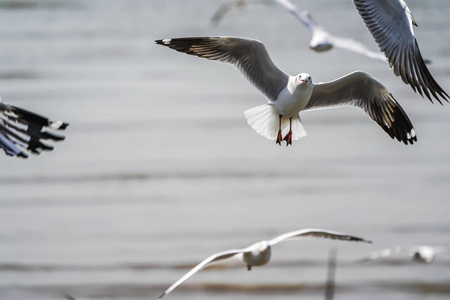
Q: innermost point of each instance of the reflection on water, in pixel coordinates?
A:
(159, 168)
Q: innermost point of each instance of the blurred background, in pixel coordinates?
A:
(159, 168)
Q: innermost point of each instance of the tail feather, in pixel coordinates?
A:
(265, 121)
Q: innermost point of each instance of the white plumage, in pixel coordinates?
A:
(259, 253)
(287, 95)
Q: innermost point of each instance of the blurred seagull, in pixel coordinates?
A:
(391, 24)
(288, 95)
(419, 253)
(321, 39)
(238, 5)
(259, 253)
(22, 130)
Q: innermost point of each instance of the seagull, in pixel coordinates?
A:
(418, 253)
(22, 130)
(259, 253)
(288, 95)
(391, 24)
(321, 39)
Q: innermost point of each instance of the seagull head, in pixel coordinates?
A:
(264, 246)
(303, 78)
(424, 254)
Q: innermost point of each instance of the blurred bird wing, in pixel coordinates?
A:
(302, 15)
(21, 129)
(225, 7)
(442, 249)
(316, 233)
(387, 252)
(203, 264)
(356, 47)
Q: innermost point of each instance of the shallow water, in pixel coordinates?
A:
(159, 168)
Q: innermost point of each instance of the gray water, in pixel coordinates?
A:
(159, 168)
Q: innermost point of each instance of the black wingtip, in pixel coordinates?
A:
(63, 126)
(163, 42)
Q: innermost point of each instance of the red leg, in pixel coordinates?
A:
(249, 267)
(288, 136)
(279, 136)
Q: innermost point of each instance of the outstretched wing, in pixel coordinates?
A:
(248, 55)
(356, 47)
(442, 249)
(362, 90)
(317, 233)
(391, 24)
(22, 130)
(225, 7)
(385, 253)
(203, 264)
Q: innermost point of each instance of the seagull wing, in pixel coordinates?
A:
(21, 129)
(301, 15)
(316, 233)
(385, 253)
(203, 264)
(391, 24)
(321, 36)
(223, 9)
(362, 90)
(248, 55)
(356, 47)
(442, 249)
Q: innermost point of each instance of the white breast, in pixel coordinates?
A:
(293, 98)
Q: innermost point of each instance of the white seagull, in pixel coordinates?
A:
(259, 253)
(419, 253)
(288, 95)
(391, 24)
(22, 130)
(321, 39)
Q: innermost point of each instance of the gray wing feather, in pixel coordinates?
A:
(316, 233)
(361, 90)
(249, 56)
(391, 24)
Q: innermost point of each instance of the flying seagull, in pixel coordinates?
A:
(239, 5)
(288, 95)
(259, 253)
(22, 130)
(418, 253)
(391, 24)
(321, 39)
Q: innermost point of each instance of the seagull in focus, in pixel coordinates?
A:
(321, 39)
(22, 131)
(418, 253)
(391, 23)
(288, 95)
(259, 253)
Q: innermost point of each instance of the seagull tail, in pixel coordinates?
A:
(265, 120)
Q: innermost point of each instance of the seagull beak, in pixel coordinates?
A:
(304, 80)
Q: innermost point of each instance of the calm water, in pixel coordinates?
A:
(159, 169)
